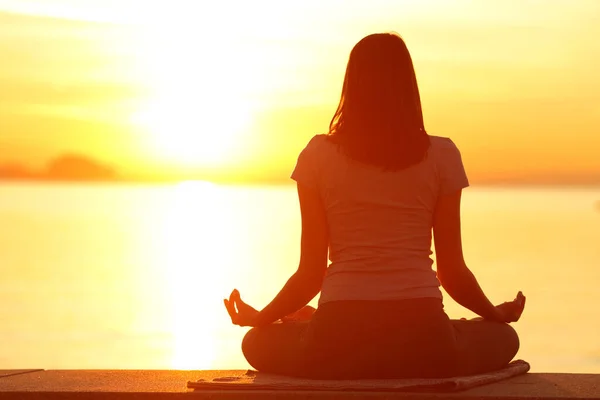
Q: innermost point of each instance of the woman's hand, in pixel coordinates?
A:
(241, 313)
(506, 312)
(303, 314)
(511, 311)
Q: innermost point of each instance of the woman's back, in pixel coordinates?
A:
(370, 193)
(379, 221)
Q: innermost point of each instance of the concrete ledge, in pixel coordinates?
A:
(11, 372)
(155, 384)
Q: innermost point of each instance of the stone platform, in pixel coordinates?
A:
(171, 384)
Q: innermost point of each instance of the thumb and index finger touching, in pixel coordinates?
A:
(520, 302)
(230, 306)
(520, 299)
(513, 309)
(233, 303)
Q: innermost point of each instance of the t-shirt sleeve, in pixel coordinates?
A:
(453, 175)
(306, 170)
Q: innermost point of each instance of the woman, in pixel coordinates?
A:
(371, 192)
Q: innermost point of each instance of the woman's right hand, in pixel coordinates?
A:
(511, 310)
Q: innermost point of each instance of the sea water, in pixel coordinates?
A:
(117, 276)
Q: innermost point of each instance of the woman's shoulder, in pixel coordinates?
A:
(318, 139)
(441, 142)
(443, 147)
(318, 143)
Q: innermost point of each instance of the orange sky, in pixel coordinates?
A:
(235, 89)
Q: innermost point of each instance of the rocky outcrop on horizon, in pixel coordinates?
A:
(68, 167)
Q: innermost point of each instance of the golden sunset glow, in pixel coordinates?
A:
(234, 90)
(146, 149)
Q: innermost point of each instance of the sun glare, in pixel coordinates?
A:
(201, 91)
(191, 133)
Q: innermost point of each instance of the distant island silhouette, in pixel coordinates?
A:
(68, 167)
(80, 168)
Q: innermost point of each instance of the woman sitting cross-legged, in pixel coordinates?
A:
(371, 192)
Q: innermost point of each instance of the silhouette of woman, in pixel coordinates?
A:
(371, 192)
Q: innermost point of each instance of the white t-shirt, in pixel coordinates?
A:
(380, 223)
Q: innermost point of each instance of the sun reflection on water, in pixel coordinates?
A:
(193, 242)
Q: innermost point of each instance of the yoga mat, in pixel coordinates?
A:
(253, 380)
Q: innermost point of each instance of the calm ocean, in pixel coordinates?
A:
(134, 276)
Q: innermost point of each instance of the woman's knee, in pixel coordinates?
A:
(485, 336)
(505, 339)
(257, 345)
(273, 348)
(249, 344)
(511, 339)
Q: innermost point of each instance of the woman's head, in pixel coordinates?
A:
(379, 119)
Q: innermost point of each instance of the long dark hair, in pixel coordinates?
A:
(379, 120)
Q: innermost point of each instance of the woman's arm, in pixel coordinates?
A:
(306, 282)
(453, 273)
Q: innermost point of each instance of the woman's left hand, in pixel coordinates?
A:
(241, 313)
(303, 314)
